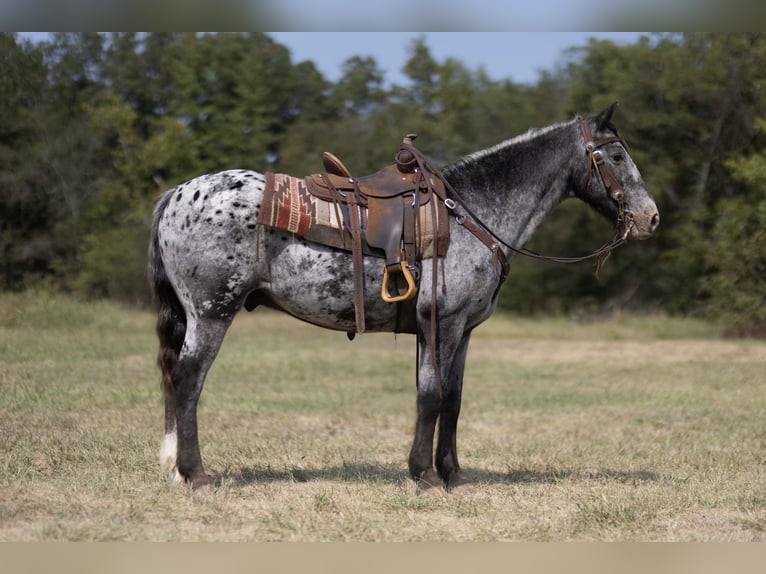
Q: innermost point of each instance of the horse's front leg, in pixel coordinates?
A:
(428, 404)
(446, 449)
(430, 401)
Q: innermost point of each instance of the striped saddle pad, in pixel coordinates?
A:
(290, 206)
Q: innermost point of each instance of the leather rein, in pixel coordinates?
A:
(493, 241)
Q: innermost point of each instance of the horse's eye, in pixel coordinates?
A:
(618, 157)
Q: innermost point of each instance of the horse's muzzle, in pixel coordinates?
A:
(642, 222)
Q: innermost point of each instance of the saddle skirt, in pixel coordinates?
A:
(290, 205)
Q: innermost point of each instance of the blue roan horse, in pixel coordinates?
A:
(207, 261)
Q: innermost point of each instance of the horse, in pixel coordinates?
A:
(208, 260)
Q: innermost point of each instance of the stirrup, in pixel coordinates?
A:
(411, 287)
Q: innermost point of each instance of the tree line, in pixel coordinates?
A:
(93, 127)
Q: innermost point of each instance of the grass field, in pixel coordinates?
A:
(635, 429)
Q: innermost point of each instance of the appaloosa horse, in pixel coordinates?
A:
(207, 261)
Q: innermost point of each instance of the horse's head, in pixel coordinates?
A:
(612, 183)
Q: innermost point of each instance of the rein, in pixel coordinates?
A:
(491, 239)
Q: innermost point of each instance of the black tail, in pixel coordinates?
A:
(171, 318)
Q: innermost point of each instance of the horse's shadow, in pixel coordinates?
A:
(396, 474)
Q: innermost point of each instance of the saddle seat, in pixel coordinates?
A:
(387, 183)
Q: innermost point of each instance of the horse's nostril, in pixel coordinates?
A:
(655, 221)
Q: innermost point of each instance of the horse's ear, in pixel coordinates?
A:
(603, 119)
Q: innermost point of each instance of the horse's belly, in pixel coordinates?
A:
(316, 284)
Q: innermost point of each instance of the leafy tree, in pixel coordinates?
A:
(315, 115)
(25, 216)
(688, 103)
(736, 282)
(244, 101)
(230, 109)
(360, 89)
(60, 169)
(422, 70)
(351, 123)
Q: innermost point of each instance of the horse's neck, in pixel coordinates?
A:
(514, 185)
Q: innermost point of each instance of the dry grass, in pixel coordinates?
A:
(631, 430)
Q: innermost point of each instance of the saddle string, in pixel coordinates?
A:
(424, 169)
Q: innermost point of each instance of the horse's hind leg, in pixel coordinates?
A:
(201, 345)
(169, 447)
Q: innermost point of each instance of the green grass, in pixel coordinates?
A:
(636, 428)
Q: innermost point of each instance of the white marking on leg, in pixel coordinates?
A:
(168, 454)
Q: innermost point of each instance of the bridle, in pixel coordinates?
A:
(610, 183)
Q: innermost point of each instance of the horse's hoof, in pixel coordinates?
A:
(201, 483)
(173, 477)
(460, 482)
(426, 489)
(429, 483)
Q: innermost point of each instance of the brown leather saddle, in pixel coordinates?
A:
(392, 197)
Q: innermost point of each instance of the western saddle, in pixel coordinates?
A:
(390, 223)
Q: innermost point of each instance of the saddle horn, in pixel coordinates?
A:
(405, 160)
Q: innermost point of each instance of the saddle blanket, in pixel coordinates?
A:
(289, 206)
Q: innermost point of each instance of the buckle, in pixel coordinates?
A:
(598, 156)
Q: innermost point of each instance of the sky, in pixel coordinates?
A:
(518, 56)
(377, 15)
